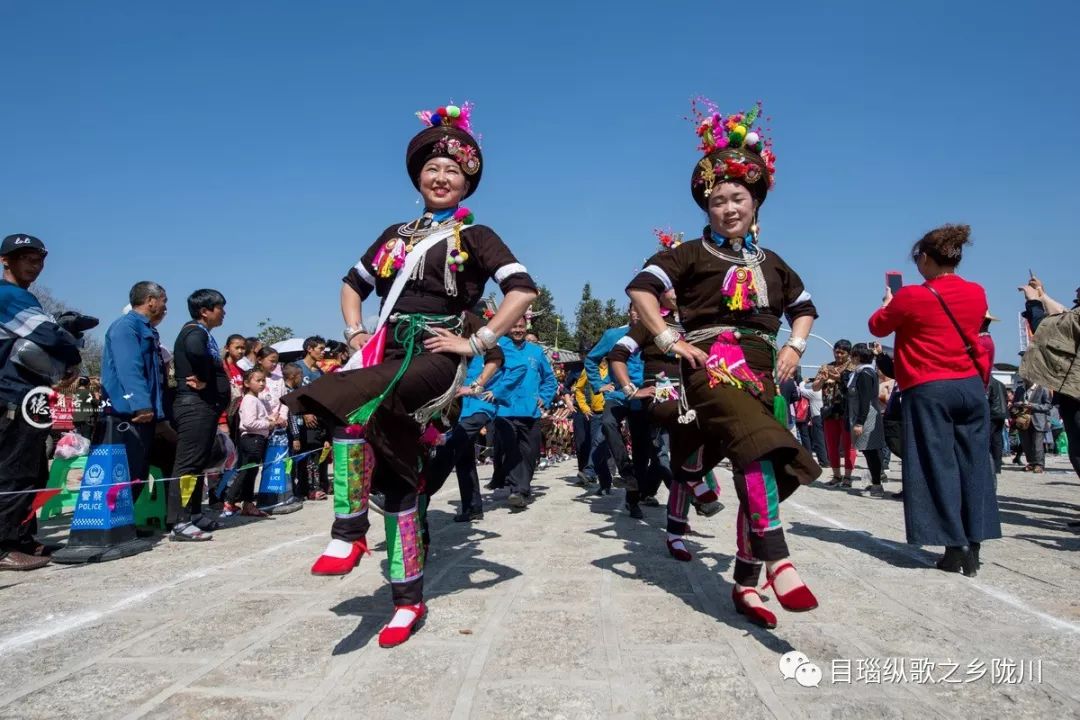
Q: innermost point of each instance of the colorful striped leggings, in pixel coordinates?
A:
(759, 534)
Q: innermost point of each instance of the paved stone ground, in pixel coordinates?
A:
(566, 610)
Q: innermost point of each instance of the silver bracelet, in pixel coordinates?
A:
(629, 390)
(666, 339)
(352, 331)
(474, 343)
(486, 337)
(797, 344)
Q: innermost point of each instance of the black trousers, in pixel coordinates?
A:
(23, 466)
(997, 443)
(138, 442)
(817, 438)
(874, 465)
(1069, 408)
(196, 426)
(582, 441)
(633, 470)
(659, 462)
(251, 449)
(1032, 442)
(459, 453)
(519, 443)
(309, 474)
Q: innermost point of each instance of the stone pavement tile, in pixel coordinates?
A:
(17, 617)
(449, 574)
(529, 701)
(59, 652)
(816, 704)
(662, 620)
(981, 699)
(383, 683)
(632, 573)
(199, 706)
(572, 642)
(458, 616)
(195, 592)
(103, 691)
(563, 588)
(295, 659)
(215, 633)
(680, 688)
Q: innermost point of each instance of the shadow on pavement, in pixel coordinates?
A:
(899, 555)
(641, 538)
(453, 544)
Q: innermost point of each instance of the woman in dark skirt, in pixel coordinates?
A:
(864, 414)
(663, 392)
(731, 295)
(949, 494)
(429, 338)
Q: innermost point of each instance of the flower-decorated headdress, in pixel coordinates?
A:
(448, 134)
(668, 239)
(734, 149)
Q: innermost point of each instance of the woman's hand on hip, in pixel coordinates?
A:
(693, 355)
(787, 360)
(447, 342)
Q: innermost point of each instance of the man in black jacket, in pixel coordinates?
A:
(202, 393)
(29, 338)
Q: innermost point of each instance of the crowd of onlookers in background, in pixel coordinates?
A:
(202, 409)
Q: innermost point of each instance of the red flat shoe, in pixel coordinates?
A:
(798, 600)
(757, 615)
(391, 636)
(679, 553)
(327, 565)
(706, 497)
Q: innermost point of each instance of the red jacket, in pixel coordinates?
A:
(928, 348)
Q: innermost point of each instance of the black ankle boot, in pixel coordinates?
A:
(975, 547)
(958, 559)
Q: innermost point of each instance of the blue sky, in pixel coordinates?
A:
(257, 147)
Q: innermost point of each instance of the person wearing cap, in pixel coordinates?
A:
(428, 273)
(23, 466)
(732, 294)
(133, 379)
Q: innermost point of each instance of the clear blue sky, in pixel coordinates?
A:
(257, 147)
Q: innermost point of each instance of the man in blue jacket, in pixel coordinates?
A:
(133, 379)
(487, 386)
(517, 426)
(618, 408)
(23, 466)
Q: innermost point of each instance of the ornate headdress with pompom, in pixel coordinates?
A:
(734, 150)
(668, 239)
(449, 134)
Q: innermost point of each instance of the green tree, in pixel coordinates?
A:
(270, 334)
(548, 324)
(589, 319)
(614, 316)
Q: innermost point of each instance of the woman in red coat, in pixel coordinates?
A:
(943, 370)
